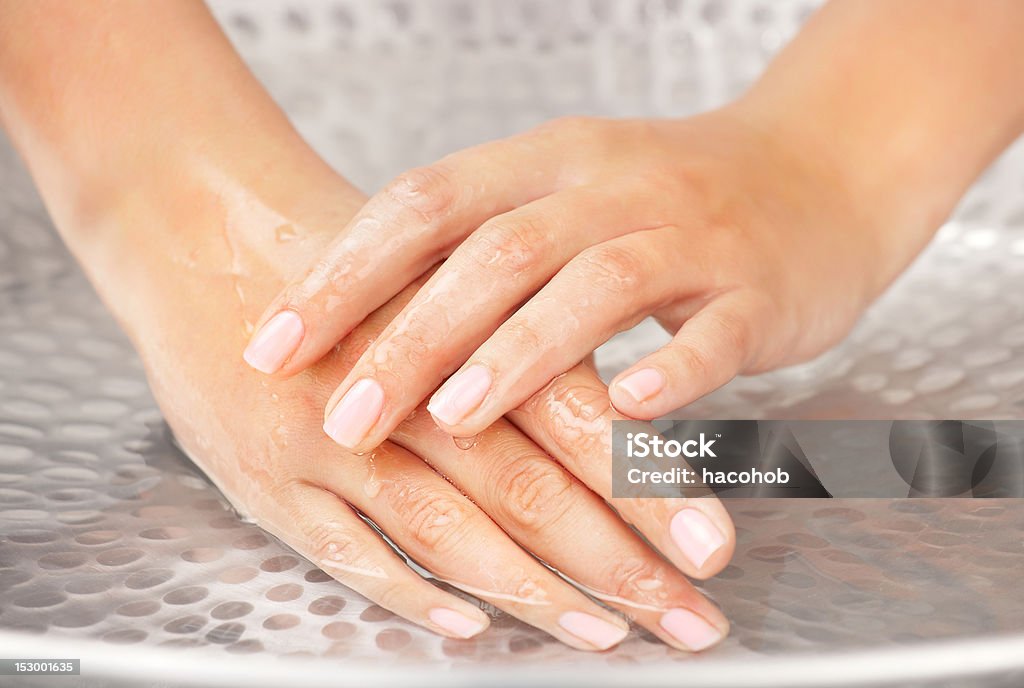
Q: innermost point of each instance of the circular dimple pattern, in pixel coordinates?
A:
(339, 630)
(139, 608)
(285, 593)
(185, 624)
(392, 639)
(231, 610)
(240, 574)
(33, 537)
(225, 633)
(327, 606)
(62, 560)
(37, 599)
(281, 622)
(98, 537)
(142, 580)
(165, 533)
(189, 595)
(375, 613)
(251, 541)
(202, 555)
(120, 557)
(280, 563)
(107, 532)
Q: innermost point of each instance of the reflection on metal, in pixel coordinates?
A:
(954, 458)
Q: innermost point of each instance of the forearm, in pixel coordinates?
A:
(107, 98)
(908, 99)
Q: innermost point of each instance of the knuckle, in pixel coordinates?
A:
(576, 401)
(632, 578)
(513, 247)
(612, 268)
(573, 415)
(428, 191)
(434, 521)
(409, 342)
(735, 331)
(391, 595)
(533, 492)
(419, 424)
(697, 362)
(523, 332)
(330, 543)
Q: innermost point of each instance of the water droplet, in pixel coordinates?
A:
(372, 486)
(285, 233)
(466, 443)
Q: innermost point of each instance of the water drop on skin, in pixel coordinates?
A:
(372, 486)
(285, 233)
(466, 443)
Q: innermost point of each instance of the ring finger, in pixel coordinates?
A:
(571, 419)
(604, 290)
(452, 538)
(471, 294)
(550, 513)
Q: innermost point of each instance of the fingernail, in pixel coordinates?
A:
(356, 413)
(695, 535)
(593, 630)
(278, 339)
(461, 395)
(643, 384)
(691, 630)
(456, 623)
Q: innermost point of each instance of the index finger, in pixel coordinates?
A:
(571, 419)
(401, 232)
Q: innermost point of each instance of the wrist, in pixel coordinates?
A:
(907, 125)
(849, 183)
(169, 110)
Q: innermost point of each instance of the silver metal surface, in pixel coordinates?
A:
(114, 545)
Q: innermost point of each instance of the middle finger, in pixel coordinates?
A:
(451, 537)
(498, 267)
(554, 516)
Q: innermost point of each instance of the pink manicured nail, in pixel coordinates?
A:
(356, 413)
(275, 342)
(643, 384)
(695, 535)
(456, 623)
(593, 630)
(461, 395)
(691, 630)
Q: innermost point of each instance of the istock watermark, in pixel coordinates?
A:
(814, 458)
(643, 444)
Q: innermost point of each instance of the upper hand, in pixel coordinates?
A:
(742, 247)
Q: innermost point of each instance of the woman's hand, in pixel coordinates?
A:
(756, 234)
(184, 290)
(749, 253)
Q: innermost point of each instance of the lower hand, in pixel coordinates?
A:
(185, 289)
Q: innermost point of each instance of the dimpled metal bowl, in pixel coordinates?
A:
(115, 549)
